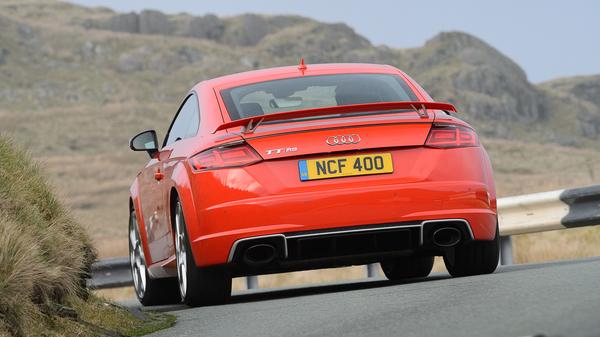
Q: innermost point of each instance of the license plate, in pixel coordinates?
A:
(346, 166)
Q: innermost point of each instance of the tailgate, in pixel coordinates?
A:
(281, 144)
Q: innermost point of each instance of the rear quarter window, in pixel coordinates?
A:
(186, 123)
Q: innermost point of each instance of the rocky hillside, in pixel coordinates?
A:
(77, 82)
(97, 55)
(453, 66)
(584, 93)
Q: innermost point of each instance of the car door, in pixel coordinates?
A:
(150, 198)
(184, 126)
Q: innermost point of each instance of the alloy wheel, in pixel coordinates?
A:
(137, 259)
(181, 250)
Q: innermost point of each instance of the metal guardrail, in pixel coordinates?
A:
(111, 273)
(530, 213)
(547, 211)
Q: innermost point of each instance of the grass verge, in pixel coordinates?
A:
(44, 258)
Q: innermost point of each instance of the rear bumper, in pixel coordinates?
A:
(226, 223)
(342, 246)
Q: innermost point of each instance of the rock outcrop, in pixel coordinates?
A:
(485, 83)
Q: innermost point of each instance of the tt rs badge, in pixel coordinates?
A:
(282, 150)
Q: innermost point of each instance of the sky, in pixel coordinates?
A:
(548, 39)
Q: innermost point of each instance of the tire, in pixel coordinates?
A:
(149, 291)
(197, 286)
(407, 267)
(474, 258)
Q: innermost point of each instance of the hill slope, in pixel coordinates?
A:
(77, 82)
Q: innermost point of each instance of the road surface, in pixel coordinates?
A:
(551, 299)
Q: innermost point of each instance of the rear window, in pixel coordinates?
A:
(308, 92)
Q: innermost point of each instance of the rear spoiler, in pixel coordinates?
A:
(251, 123)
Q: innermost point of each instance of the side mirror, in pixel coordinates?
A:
(145, 141)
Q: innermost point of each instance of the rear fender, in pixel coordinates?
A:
(182, 189)
(489, 179)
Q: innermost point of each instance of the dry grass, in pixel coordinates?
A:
(124, 293)
(557, 245)
(44, 252)
(305, 277)
(44, 256)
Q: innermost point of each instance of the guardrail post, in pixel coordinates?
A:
(252, 282)
(506, 255)
(372, 270)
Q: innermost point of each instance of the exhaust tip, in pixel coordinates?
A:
(446, 237)
(259, 254)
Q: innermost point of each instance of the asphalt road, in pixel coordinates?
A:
(553, 299)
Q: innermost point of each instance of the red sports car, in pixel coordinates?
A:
(307, 167)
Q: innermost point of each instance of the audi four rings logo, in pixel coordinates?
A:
(343, 139)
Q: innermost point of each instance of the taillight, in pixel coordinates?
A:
(448, 136)
(223, 157)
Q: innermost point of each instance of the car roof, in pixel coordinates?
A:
(294, 71)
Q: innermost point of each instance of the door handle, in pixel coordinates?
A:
(159, 175)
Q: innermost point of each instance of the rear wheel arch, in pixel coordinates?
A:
(182, 190)
(187, 205)
(174, 197)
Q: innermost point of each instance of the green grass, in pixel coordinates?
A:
(94, 317)
(98, 313)
(44, 256)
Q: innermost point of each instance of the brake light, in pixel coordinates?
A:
(446, 136)
(223, 157)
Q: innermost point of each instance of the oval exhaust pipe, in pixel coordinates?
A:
(446, 237)
(260, 254)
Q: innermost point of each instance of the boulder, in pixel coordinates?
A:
(205, 27)
(3, 55)
(154, 22)
(127, 23)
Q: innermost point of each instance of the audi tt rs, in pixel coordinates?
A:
(307, 167)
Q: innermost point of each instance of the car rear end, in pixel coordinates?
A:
(341, 189)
